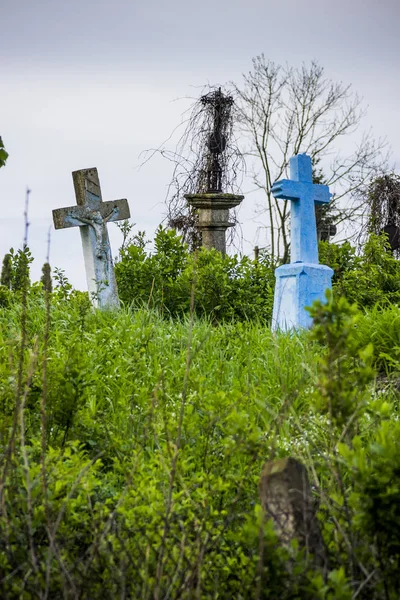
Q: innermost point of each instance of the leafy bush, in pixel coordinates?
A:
(131, 444)
(345, 367)
(5, 296)
(15, 269)
(368, 279)
(375, 502)
(225, 287)
(381, 328)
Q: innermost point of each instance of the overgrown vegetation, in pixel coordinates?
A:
(368, 279)
(225, 287)
(131, 442)
(228, 288)
(3, 154)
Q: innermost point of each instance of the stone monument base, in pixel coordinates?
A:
(298, 285)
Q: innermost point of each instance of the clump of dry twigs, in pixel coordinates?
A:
(208, 144)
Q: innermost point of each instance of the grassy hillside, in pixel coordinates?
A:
(132, 445)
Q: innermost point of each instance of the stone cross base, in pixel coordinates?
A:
(213, 211)
(298, 285)
(286, 497)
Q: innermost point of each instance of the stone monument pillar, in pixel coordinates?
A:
(213, 216)
(303, 280)
(286, 497)
(212, 204)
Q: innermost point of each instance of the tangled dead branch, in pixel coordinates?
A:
(206, 159)
(384, 209)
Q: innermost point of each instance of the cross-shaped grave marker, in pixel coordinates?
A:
(91, 215)
(302, 281)
(303, 193)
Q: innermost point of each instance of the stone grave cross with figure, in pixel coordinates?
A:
(303, 280)
(91, 215)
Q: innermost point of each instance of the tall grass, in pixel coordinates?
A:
(140, 446)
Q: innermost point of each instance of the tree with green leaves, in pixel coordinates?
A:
(46, 278)
(15, 272)
(3, 154)
(21, 274)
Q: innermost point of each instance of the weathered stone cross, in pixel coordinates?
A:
(91, 215)
(303, 193)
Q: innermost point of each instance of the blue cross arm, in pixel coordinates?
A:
(321, 193)
(287, 189)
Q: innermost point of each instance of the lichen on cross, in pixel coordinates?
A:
(91, 215)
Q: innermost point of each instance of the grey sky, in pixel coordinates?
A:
(91, 83)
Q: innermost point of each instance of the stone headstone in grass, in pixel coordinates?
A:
(303, 280)
(286, 497)
(91, 215)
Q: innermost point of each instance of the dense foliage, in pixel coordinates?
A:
(369, 278)
(132, 446)
(225, 287)
(131, 442)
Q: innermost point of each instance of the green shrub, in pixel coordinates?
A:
(368, 279)
(345, 367)
(5, 296)
(375, 502)
(225, 287)
(131, 450)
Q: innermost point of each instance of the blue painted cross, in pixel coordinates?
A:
(303, 193)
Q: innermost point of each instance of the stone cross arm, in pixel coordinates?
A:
(78, 215)
(287, 189)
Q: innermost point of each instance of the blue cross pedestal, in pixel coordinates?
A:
(303, 280)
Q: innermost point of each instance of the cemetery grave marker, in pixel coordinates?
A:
(286, 497)
(303, 280)
(91, 215)
(212, 204)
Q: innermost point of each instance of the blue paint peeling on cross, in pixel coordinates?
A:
(303, 194)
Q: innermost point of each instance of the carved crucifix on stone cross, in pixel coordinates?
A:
(91, 215)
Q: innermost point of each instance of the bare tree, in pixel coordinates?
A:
(285, 111)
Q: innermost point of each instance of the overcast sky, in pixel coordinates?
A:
(90, 83)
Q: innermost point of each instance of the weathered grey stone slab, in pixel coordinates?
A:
(286, 497)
